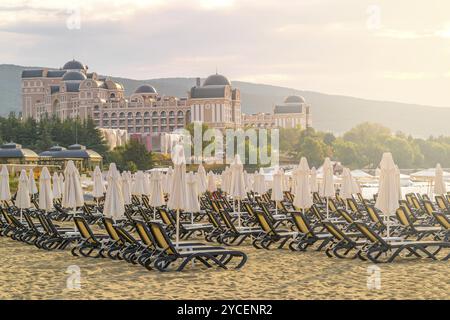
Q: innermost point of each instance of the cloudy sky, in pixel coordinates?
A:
(380, 49)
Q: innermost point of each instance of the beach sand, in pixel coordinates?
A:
(29, 273)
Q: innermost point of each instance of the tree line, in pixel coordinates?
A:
(360, 147)
(363, 146)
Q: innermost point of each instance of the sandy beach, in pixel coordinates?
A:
(29, 273)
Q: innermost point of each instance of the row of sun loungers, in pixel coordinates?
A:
(347, 228)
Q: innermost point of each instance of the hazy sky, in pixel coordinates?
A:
(387, 49)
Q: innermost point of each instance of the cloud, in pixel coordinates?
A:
(322, 45)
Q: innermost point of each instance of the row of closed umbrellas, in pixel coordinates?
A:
(184, 188)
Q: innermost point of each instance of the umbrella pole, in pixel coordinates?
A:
(239, 211)
(327, 210)
(178, 228)
(154, 213)
(276, 207)
(21, 215)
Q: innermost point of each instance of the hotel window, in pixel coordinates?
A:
(146, 114)
(130, 115)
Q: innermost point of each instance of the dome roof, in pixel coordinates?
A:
(216, 80)
(146, 88)
(74, 76)
(74, 65)
(294, 99)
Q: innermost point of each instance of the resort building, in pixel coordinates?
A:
(293, 112)
(215, 103)
(73, 91)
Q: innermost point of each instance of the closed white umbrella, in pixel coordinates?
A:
(237, 185)
(277, 188)
(177, 193)
(61, 183)
(146, 184)
(248, 181)
(226, 180)
(126, 187)
(168, 180)
(45, 191)
(313, 180)
(439, 184)
(201, 177)
(287, 182)
(99, 183)
(212, 182)
(302, 195)
(327, 188)
(259, 183)
(388, 197)
(114, 203)
(346, 188)
(73, 193)
(23, 193)
(32, 183)
(56, 187)
(138, 186)
(156, 195)
(5, 193)
(192, 203)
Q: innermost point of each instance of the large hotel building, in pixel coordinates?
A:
(73, 91)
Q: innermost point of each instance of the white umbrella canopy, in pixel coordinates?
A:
(177, 193)
(313, 180)
(5, 193)
(114, 202)
(327, 188)
(23, 193)
(45, 190)
(277, 185)
(302, 195)
(237, 183)
(428, 175)
(73, 193)
(211, 182)
(247, 181)
(259, 183)
(347, 188)
(126, 187)
(146, 184)
(201, 176)
(388, 195)
(192, 203)
(362, 176)
(98, 182)
(56, 187)
(32, 183)
(167, 183)
(226, 180)
(156, 195)
(138, 186)
(439, 184)
(61, 183)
